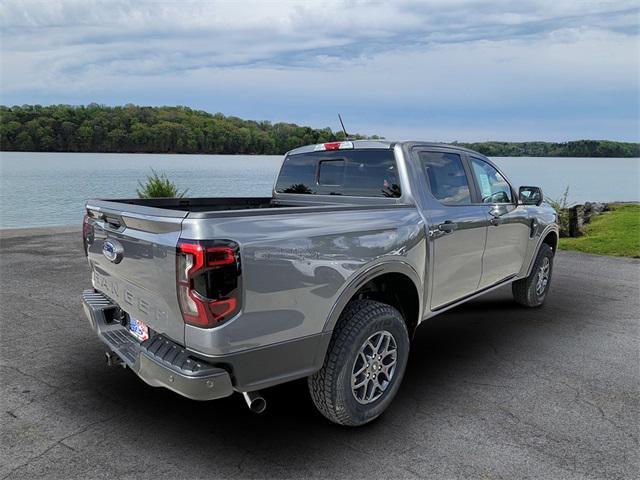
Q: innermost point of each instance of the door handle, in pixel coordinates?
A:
(448, 226)
(496, 214)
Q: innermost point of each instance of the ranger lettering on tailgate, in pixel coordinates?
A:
(118, 292)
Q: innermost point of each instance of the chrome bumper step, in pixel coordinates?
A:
(158, 360)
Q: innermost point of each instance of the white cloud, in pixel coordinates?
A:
(412, 59)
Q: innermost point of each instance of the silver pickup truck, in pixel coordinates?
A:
(327, 279)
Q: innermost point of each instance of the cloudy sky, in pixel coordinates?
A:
(436, 69)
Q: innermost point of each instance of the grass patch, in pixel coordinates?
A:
(616, 232)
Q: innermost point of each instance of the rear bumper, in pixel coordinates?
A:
(158, 361)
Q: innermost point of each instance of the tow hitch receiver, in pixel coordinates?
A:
(113, 360)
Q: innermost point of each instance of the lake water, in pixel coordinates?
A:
(41, 189)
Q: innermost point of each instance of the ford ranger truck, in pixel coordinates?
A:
(327, 279)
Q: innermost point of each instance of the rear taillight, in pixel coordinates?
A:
(208, 281)
(87, 234)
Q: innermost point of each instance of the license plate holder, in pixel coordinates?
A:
(138, 329)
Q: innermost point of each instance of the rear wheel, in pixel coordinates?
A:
(532, 290)
(364, 365)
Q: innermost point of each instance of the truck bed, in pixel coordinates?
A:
(207, 207)
(202, 204)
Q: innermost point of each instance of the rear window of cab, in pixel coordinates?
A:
(356, 173)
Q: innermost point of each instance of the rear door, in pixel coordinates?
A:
(458, 226)
(509, 224)
(132, 254)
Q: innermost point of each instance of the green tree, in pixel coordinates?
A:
(132, 128)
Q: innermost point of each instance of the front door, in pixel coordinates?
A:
(509, 225)
(457, 227)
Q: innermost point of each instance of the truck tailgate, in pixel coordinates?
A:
(132, 253)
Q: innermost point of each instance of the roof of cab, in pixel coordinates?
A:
(383, 144)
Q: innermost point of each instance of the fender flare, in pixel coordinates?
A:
(543, 235)
(368, 274)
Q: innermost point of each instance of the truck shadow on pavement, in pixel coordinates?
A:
(442, 349)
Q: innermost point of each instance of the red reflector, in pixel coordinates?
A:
(87, 234)
(332, 146)
(85, 225)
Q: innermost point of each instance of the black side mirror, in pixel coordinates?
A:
(530, 196)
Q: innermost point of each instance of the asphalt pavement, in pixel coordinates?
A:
(492, 390)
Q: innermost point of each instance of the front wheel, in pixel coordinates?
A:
(364, 365)
(532, 290)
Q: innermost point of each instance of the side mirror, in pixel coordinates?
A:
(530, 196)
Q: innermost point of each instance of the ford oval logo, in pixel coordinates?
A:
(112, 250)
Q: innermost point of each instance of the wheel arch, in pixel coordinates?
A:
(395, 283)
(549, 237)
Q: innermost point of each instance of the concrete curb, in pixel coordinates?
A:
(37, 231)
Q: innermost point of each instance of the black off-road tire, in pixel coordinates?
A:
(525, 291)
(331, 388)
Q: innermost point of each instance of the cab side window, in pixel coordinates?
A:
(494, 188)
(446, 176)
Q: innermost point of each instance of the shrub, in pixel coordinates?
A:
(561, 206)
(158, 185)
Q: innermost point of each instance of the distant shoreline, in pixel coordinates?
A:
(282, 154)
(131, 129)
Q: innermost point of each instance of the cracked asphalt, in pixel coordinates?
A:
(492, 390)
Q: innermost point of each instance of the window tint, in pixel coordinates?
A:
(493, 186)
(363, 173)
(331, 172)
(446, 176)
(297, 175)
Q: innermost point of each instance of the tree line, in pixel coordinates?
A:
(137, 129)
(577, 148)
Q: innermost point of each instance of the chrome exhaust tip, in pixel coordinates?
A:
(255, 401)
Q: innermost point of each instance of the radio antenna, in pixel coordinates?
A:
(346, 135)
